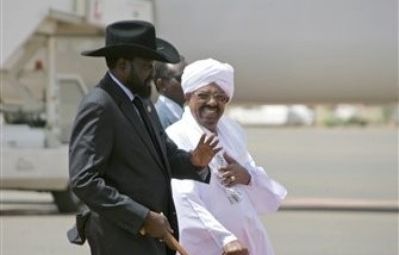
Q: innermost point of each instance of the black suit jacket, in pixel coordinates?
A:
(118, 173)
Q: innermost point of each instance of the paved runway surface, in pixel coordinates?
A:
(312, 163)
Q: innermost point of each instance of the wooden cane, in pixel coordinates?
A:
(171, 241)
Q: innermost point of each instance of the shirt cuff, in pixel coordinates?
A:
(204, 173)
(229, 239)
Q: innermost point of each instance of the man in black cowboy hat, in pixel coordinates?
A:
(121, 160)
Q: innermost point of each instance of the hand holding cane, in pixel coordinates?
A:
(169, 240)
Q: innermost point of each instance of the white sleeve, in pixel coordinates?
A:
(196, 223)
(265, 193)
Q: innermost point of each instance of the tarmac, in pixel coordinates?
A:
(343, 196)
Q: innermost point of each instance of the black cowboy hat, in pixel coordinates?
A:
(135, 38)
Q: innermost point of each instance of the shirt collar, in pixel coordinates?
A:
(174, 107)
(123, 87)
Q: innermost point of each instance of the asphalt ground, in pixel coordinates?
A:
(318, 166)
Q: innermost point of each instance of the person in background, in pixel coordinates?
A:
(167, 79)
(120, 159)
(222, 217)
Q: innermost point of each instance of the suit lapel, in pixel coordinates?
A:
(131, 114)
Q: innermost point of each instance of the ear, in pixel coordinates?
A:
(160, 85)
(187, 97)
(124, 68)
(122, 64)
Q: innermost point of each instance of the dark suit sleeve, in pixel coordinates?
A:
(90, 149)
(180, 162)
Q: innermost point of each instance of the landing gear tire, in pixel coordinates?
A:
(66, 201)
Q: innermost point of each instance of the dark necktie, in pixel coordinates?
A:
(147, 122)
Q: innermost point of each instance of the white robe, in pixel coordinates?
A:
(207, 219)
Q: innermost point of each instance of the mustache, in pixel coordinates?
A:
(210, 107)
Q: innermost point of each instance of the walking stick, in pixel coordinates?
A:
(174, 244)
(171, 242)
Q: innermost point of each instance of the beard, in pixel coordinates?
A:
(139, 87)
(144, 90)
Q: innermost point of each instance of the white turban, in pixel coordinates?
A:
(203, 72)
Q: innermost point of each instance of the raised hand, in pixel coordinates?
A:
(234, 173)
(204, 152)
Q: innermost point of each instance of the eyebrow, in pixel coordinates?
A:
(210, 92)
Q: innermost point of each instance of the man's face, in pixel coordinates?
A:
(140, 76)
(207, 105)
(171, 84)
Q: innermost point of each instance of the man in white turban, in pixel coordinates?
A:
(222, 217)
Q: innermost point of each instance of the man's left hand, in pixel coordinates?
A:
(204, 152)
